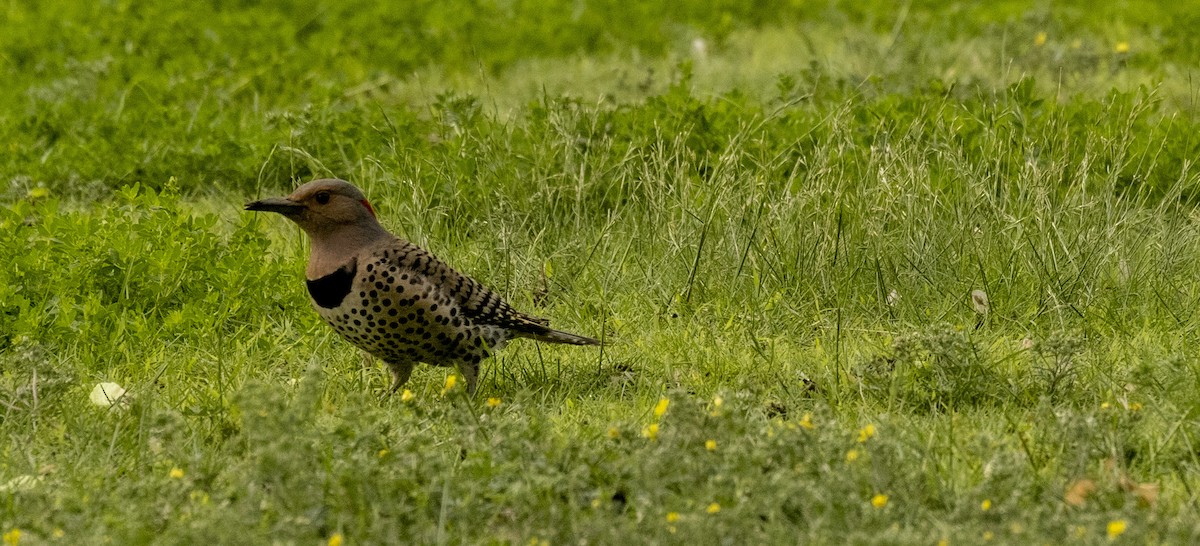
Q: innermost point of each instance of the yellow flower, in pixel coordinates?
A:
(713, 508)
(651, 431)
(985, 505)
(176, 473)
(613, 433)
(1121, 47)
(38, 193)
(58, 533)
(383, 453)
(988, 535)
(710, 445)
(852, 455)
(866, 433)
(12, 538)
(493, 402)
(943, 542)
(199, 497)
(1136, 406)
(407, 396)
(717, 401)
(806, 422)
(672, 517)
(335, 540)
(661, 408)
(451, 380)
(1116, 528)
(879, 500)
(1040, 39)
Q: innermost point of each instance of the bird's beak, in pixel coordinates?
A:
(282, 205)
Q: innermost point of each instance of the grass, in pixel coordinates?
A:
(775, 216)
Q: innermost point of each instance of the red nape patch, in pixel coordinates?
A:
(369, 207)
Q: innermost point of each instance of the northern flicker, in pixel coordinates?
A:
(393, 299)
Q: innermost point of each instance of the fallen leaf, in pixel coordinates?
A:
(1146, 493)
(1078, 491)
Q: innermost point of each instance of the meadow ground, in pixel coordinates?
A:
(774, 213)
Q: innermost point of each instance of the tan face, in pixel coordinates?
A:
(321, 206)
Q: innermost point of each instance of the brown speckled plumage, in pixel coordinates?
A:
(393, 299)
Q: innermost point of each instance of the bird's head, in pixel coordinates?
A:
(322, 207)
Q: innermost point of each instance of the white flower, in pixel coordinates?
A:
(106, 394)
(893, 298)
(979, 301)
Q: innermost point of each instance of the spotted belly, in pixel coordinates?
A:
(399, 316)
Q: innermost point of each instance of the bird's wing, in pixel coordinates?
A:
(475, 301)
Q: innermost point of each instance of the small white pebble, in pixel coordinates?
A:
(106, 394)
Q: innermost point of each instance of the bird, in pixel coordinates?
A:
(392, 298)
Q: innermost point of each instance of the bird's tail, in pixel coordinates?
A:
(539, 328)
(550, 335)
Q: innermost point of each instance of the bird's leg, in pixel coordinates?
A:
(470, 371)
(400, 373)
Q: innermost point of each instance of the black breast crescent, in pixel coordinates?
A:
(330, 290)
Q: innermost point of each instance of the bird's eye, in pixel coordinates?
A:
(322, 197)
